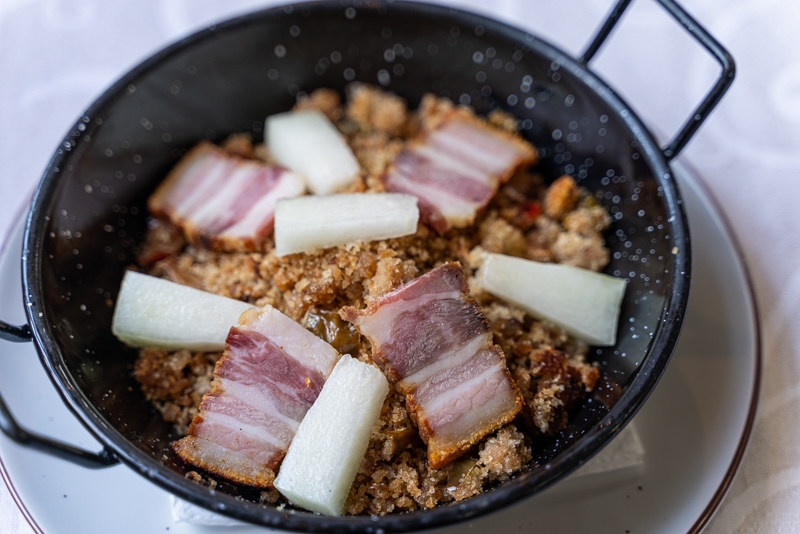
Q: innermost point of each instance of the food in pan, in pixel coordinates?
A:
(223, 201)
(584, 303)
(434, 343)
(474, 380)
(326, 453)
(455, 169)
(309, 222)
(271, 373)
(308, 143)
(154, 312)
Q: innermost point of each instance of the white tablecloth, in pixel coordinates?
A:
(57, 56)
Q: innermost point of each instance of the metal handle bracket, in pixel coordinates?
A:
(18, 434)
(17, 334)
(700, 34)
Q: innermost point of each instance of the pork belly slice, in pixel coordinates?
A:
(456, 169)
(432, 340)
(271, 373)
(221, 201)
(459, 405)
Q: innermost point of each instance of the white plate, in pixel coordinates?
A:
(694, 426)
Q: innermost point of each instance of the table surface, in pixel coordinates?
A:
(60, 55)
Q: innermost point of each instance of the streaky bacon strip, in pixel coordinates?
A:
(456, 169)
(269, 376)
(223, 201)
(432, 340)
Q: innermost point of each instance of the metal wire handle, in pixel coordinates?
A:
(65, 451)
(17, 334)
(19, 434)
(700, 34)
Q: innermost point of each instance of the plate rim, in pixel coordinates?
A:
(16, 227)
(716, 499)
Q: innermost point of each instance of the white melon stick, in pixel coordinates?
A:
(584, 303)
(153, 312)
(330, 442)
(310, 145)
(305, 223)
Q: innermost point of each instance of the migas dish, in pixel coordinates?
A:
(227, 79)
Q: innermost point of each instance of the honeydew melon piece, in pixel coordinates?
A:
(310, 145)
(305, 223)
(584, 303)
(153, 312)
(330, 442)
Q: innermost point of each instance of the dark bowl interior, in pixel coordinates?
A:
(89, 212)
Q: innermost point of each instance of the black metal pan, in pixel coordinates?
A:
(88, 212)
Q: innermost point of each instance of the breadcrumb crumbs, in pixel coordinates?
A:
(561, 197)
(374, 109)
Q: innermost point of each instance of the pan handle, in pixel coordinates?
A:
(18, 334)
(713, 97)
(20, 435)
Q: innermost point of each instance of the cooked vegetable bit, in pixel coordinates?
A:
(310, 145)
(584, 303)
(330, 442)
(329, 326)
(307, 223)
(153, 312)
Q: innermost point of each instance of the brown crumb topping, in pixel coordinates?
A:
(561, 197)
(175, 382)
(376, 110)
(325, 100)
(240, 145)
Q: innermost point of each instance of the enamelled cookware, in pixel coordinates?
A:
(89, 212)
